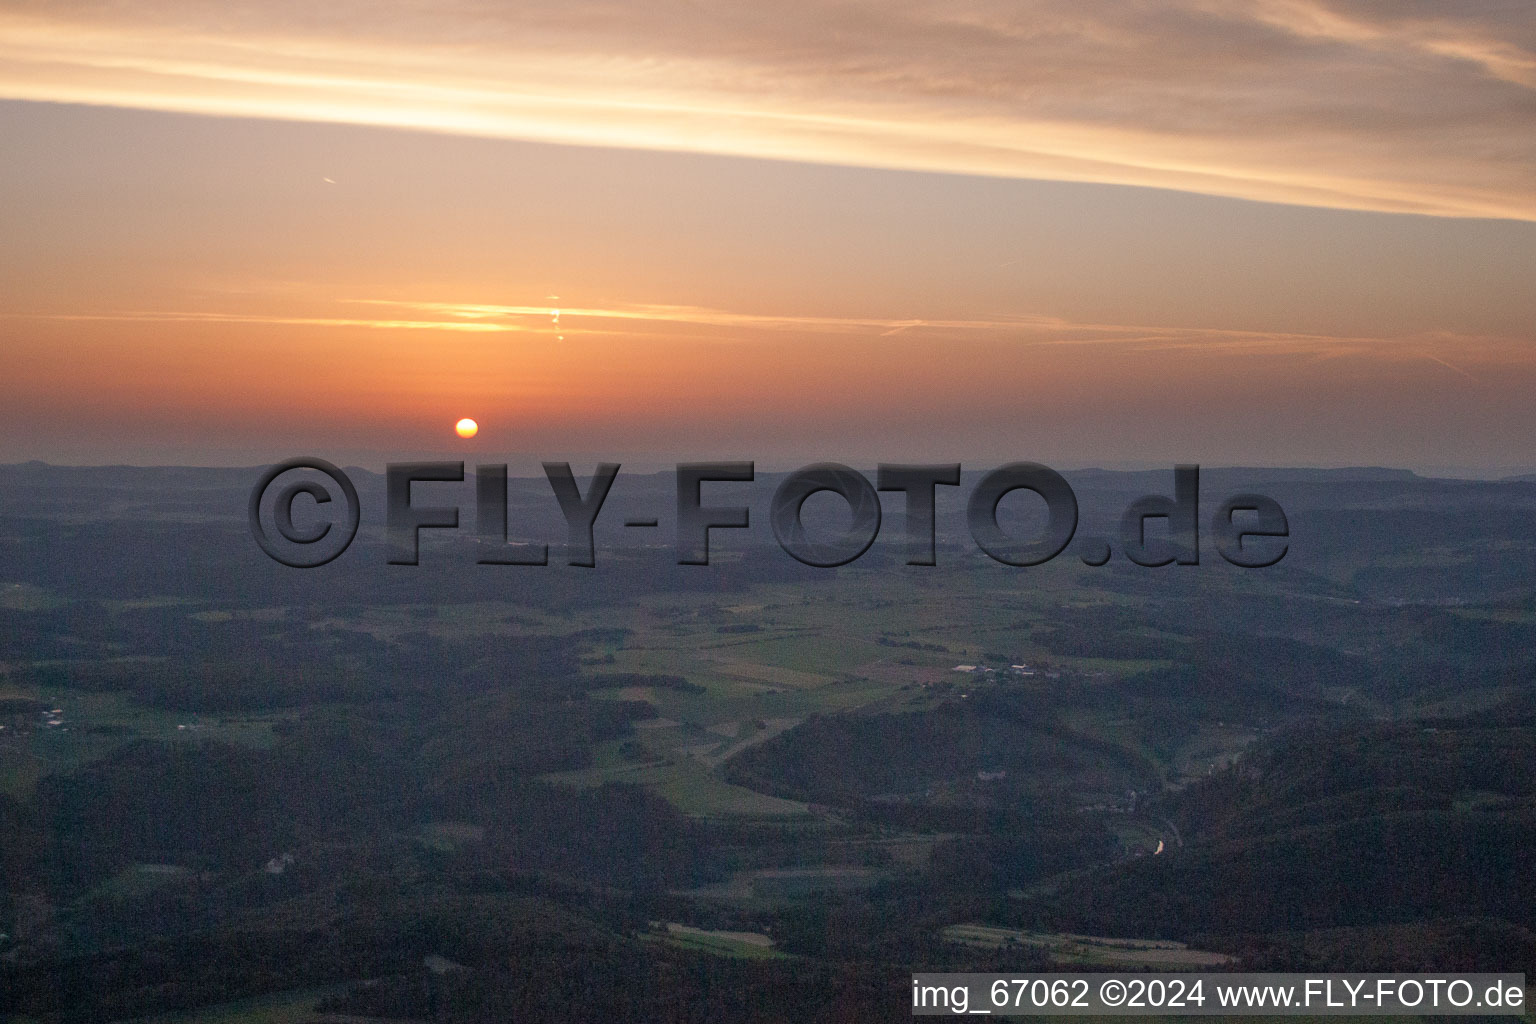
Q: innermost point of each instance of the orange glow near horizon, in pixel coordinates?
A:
(1050, 391)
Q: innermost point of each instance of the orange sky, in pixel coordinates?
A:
(772, 241)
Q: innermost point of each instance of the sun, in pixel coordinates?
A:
(466, 428)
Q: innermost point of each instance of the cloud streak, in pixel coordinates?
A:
(668, 325)
(1409, 107)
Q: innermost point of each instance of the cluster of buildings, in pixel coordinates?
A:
(21, 723)
(1016, 670)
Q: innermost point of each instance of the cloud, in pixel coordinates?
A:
(1412, 106)
(268, 320)
(671, 324)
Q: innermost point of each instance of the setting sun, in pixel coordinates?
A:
(466, 428)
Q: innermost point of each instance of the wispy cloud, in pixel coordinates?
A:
(581, 317)
(167, 317)
(1413, 106)
(668, 324)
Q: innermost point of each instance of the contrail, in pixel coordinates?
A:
(1457, 369)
